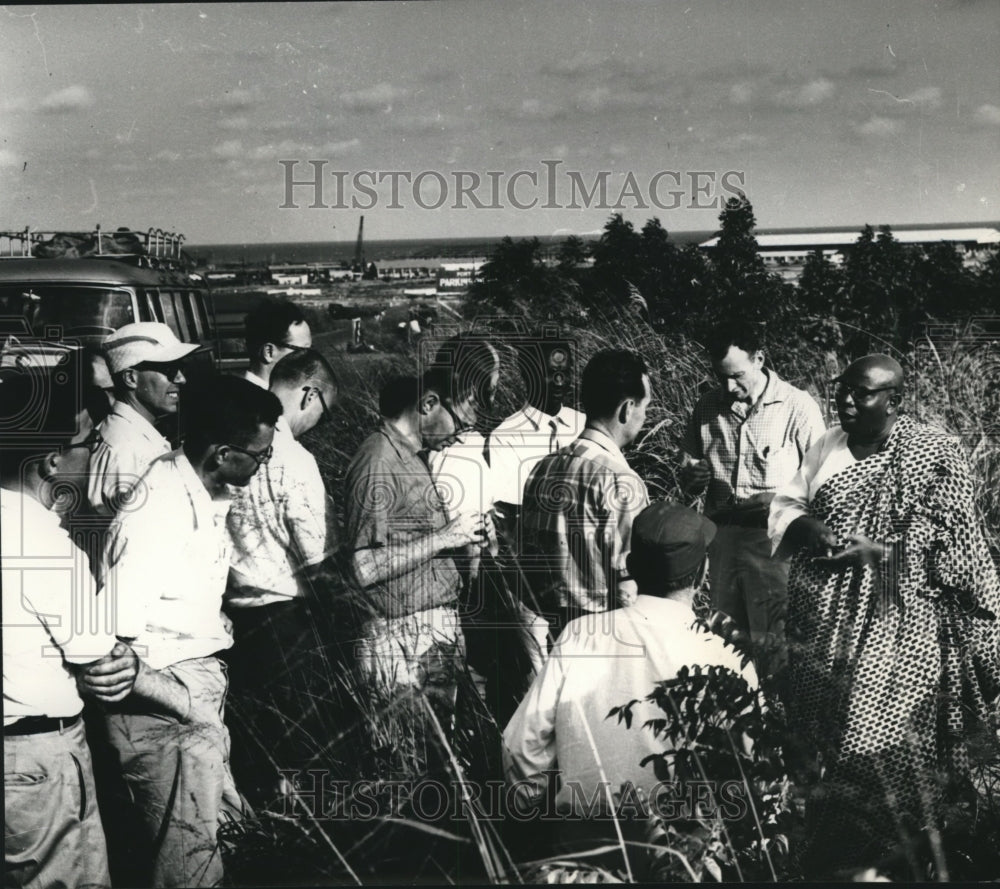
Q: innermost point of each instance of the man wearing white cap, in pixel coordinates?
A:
(145, 361)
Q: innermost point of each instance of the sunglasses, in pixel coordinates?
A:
(169, 369)
(858, 393)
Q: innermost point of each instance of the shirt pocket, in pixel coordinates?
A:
(774, 465)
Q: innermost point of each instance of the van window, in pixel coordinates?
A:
(78, 310)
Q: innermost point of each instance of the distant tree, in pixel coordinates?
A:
(371, 273)
(516, 281)
(572, 253)
(744, 288)
(617, 260)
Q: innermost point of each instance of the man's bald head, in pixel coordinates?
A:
(868, 396)
(874, 372)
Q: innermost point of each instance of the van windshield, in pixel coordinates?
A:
(80, 311)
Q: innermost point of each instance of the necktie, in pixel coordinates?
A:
(553, 441)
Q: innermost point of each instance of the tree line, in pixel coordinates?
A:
(882, 295)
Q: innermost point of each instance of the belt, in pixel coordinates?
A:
(742, 518)
(37, 725)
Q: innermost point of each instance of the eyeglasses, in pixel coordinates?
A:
(293, 348)
(858, 393)
(260, 456)
(326, 415)
(91, 443)
(460, 424)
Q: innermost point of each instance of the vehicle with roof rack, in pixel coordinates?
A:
(61, 288)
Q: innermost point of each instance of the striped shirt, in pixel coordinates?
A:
(752, 450)
(579, 504)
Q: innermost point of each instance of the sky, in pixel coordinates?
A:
(199, 118)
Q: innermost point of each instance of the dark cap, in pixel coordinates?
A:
(668, 541)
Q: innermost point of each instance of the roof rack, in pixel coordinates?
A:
(154, 248)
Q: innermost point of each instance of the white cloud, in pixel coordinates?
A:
(333, 149)
(879, 127)
(238, 123)
(987, 115)
(167, 156)
(927, 97)
(72, 98)
(741, 93)
(9, 159)
(806, 95)
(232, 149)
(379, 97)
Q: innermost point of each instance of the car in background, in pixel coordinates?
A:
(74, 288)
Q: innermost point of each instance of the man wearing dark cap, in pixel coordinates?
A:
(605, 660)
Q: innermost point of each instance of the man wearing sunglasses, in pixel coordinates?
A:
(280, 527)
(273, 328)
(146, 364)
(165, 571)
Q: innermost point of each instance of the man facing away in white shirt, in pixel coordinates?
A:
(145, 360)
(165, 573)
(280, 527)
(602, 661)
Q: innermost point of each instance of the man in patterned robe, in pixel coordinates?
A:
(892, 630)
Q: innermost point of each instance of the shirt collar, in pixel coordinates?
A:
(776, 389)
(538, 418)
(401, 445)
(130, 415)
(602, 440)
(28, 508)
(253, 378)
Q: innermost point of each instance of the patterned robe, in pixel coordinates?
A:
(893, 666)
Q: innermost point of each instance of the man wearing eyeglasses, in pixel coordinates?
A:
(399, 540)
(146, 364)
(892, 616)
(280, 527)
(165, 570)
(745, 439)
(273, 329)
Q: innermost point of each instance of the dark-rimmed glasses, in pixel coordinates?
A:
(460, 424)
(326, 415)
(858, 393)
(260, 456)
(91, 443)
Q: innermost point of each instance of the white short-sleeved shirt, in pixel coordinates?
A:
(166, 565)
(599, 662)
(50, 617)
(521, 440)
(129, 443)
(278, 524)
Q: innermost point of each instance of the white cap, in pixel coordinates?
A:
(144, 341)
